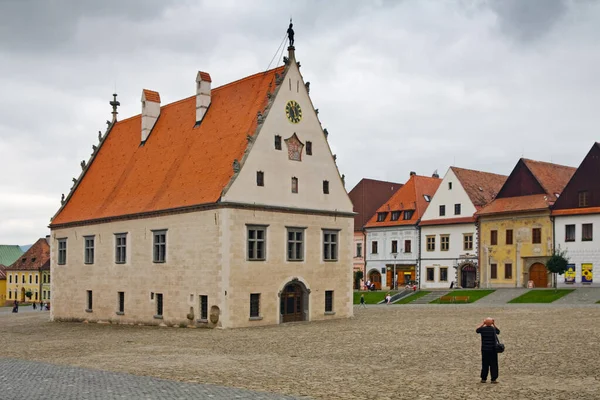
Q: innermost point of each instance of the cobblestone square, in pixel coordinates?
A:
(384, 352)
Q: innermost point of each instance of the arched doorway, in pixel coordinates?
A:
(293, 302)
(539, 275)
(375, 278)
(468, 276)
(22, 295)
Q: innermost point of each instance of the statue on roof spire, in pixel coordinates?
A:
(114, 105)
(290, 33)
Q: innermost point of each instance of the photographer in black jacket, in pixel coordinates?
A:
(489, 356)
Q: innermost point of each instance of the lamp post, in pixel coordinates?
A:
(394, 280)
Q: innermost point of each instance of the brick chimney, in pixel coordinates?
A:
(150, 111)
(203, 82)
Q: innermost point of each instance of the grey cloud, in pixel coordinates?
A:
(527, 20)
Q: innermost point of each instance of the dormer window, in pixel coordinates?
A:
(396, 215)
(408, 215)
(584, 198)
(427, 198)
(381, 216)
(277, 142)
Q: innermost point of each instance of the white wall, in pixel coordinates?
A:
(449, 197)
(579, 252)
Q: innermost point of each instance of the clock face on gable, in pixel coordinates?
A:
(293, 111)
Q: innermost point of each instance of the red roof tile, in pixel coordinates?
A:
(552, 177)
(577, 211)
(34, 258)
(448, 221)
(151, 95)
(481, 187)
(179, 165)
(534, 202)
(205, 76)
(410, 197)
(367, 196)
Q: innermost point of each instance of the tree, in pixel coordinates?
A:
(358, 275)
(28, 294)
(558, 263)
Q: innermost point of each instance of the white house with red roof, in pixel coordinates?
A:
(392, 244)
(448, 231)
(223, 209)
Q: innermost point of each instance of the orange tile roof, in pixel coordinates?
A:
(481, 187)
(151, 95)
(205, 76)
(448, 221)
(34, 258)
(552, 177)
(534, 202)
(179, 165)
(408, 197)
(577, 211)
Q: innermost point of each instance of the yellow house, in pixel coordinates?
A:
(515, 229)
(2, 285)
(23, 276)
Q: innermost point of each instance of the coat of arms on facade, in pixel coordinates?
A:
(295, 147)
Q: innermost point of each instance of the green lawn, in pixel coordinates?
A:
(541, 296)
(372, 297)
(473, 295)
(412, 297)
(598, 302)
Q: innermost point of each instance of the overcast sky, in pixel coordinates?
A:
(401, 85)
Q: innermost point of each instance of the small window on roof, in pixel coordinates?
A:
(381, 216)
(23, 259)
(427, 198)
(33, 259)
(408, 215)
(396, 215)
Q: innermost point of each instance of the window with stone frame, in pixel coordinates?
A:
(257, 242)
(329, 301)
(536, 235)
(394, 246)
(260, 178)
(295, 244)
(584, 198)
(430, 274)
(493, 237)
(160, 246)
(508, 271)
(62, 251)
(493, 271)
(159, 305)
(587, 232)
(254, 305)
(121, 302)
(203, 307)
(120, 248)
(89, 249)
(431, 243)
(444, 242)
(468, 241)
(509, 236)
(330, 245)
(374, 247)
(569, 233)
(407, 246)
(358, 249)
(443, 274)
(89, 300)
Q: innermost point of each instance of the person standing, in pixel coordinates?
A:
(33, 305)
(362, 301)
(388, 299)
(489, 356)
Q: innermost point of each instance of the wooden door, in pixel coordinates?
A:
(292, 303)
(539, 275)
(375, 278)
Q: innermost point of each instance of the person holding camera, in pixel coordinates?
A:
(489, 354)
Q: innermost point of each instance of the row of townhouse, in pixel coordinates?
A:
(478, 229)
(28, 277)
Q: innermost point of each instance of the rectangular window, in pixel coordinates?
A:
(9, 295)
(494, 271)
(536, 235)
(36, 279)
(62, 251)
(442, 210)
(395, 215)
(260, 178)
(407, 246)
(507, 271)
(30, 279)
(443, 274)
(444, 242)
(430, 243)
(587, 232)
(255, 305)
(121, 298)
(358, 249)
(584, 198)
(309, 148)
(457, 209)
(294, 185)
(23, 278)
(89, 249)
(509, 236)
(159, 304)
(468, 241)
(257, 242)
(160, 246)
(295, 244)
(449, 185)
(120, 248)
(408, 215)
(328, 301)
(394, 246)
(569, 233)
(493, 238)
(204, 308)
(89, 300)
(48, 295)
(326, 187)
(381, 216)
(430, 274)
(9, 278)
(277, 142)
(374, 247)
(330, 245)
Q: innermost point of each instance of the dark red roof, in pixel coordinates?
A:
(367, 196)
(2, 272)
(34, 258)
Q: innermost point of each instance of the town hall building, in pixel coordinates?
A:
(224, 209)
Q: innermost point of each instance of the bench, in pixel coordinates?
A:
(461, 298)
(446, 298)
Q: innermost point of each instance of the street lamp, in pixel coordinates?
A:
(394, 280)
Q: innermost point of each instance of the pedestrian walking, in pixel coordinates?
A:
(362, 301)
(33, 305)
(15, 307)
(388, 299)
(41, 306)
(489, 355)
